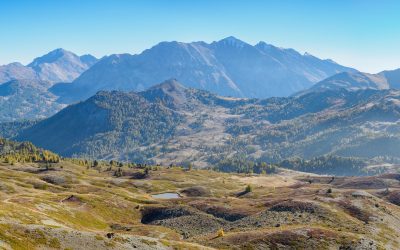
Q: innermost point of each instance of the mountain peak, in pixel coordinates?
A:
(51, 57)
(262, 44)
(59, 51)
(167, 45)
(170, 92)
(61, 65)
(170, 85)
(233, 41)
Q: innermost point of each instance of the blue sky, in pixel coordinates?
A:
(364, 34)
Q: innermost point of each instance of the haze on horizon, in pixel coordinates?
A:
(360, 33)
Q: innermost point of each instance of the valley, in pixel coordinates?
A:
(356, 131)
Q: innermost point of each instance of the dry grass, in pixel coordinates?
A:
(72, 206)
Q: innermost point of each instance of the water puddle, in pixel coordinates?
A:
(166, 196)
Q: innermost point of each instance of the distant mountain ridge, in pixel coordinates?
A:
(227, 67)
(57, 66)
(389, 79)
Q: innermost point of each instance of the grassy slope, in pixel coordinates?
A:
(34, 211)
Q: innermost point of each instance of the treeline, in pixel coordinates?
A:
(25, 152)
(242, 165)
(329, 164)
(12, 152)
(117, 168)
(103, 163)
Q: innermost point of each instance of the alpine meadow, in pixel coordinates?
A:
(199, 124)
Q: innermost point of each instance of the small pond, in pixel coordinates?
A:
(166, 196)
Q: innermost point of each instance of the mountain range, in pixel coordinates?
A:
(228, 67)
(172, 123)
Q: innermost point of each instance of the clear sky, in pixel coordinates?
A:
(364, 34)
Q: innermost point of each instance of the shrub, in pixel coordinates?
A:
(248, 189)
(220, 233)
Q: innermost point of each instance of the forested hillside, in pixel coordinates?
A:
(108, 125)
(172, 123)
(11, 152)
